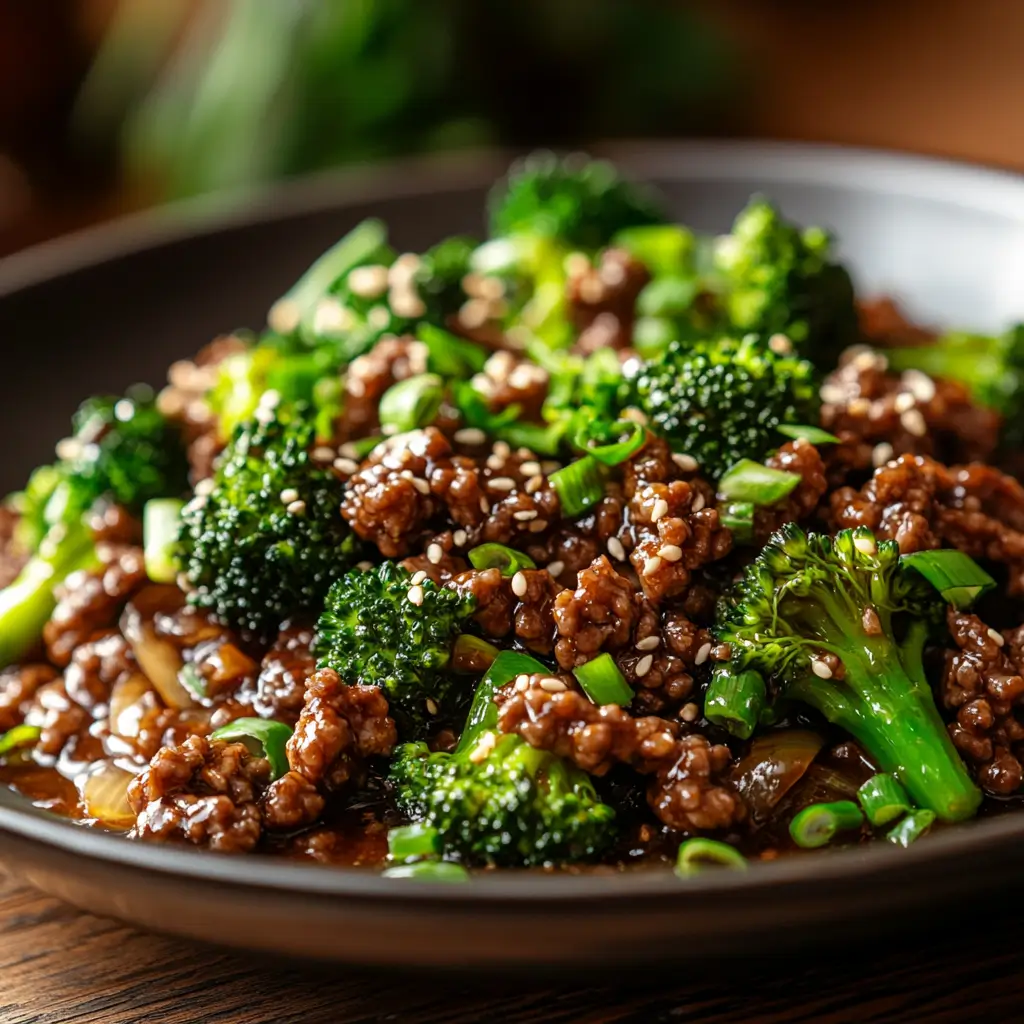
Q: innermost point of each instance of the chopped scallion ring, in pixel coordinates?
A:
(613, 453)
(483, 713)
(448, 354)
(751, 481)
(805, 432)
(19, 736)
(602, 681)
(161, 520)
(911, 828)
(956, 576)
(884, 800)
(738, 516)
(498, 556)
(410, 842)
(412, 403)
(580, 485)
(817, 825)
(735, 701)
(263, 736)
(698, 855)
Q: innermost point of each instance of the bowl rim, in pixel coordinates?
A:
(981, 189)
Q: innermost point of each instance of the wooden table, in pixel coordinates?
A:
(59, 966)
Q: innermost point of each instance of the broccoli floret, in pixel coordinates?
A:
(267, 541)
(379, 629)
(992, 367)
(497, 800)
(722, 400)
(808, 596)
(578, 202)
(777, 279)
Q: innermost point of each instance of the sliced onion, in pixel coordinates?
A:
(130, 698)
(104, 793)
(158, 658)
(775, 763)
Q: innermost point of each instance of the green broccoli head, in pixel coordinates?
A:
(378, 628)
(578, 202)
(839, 625)
(722, 399)
(268, 539)
(777, 279)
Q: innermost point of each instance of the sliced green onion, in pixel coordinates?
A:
(652, 335)
(805, 432)
(498, 556)
(735, 701)
(751, 481)
(410, 842)
(602, 681)
(448, 354)
(956, 576)
(816, 825)
(911, 828)
(193, 680)
(429, 871)
(697, 855)
(365, 445)
(19, 736)
(161, 519)
(667, 296)
(483, 713)
(580, 485)
(662, 248)
(884, 800)
(617, 451)
(412, 403)
(471, 654)
(263, 736)
(738, 516)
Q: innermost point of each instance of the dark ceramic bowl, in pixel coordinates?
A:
(109, 307)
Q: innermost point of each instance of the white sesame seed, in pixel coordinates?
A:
(643, 666)
(296, 508)
(552, 685)
(556, 568)
(418, 577)
(435, 553)
(205, 486)
(865, 545)
(670, 552)
(538, 526)
(349, 449)
(460, 538)
(702, 655)
(495, 462)
(689, 712)
(534, 484)
(859, 407)
(832, 394)
(346, 466)
(322, 453)
(687, 463)
(470, 435)
(368, 282)
(530, 468)
(904, 401)
(920, 385)
(821, 669)
(483, 748)
(881, 454)
(284, 316)
(651, 566)
(615, 549)
(431, 706)
(660, 509)
(914, 423)
(997, 637)
(649, 643)
(780, 344)
(484, 506)
(522, 683)
(698, 502)
(635, 414)
(550, 466)
(502, 448)
(364, 566)
(501, 483)
(406, 474)
(525, 516)
(415, 595)
(519, 585)
(421, 485)
(405, 302)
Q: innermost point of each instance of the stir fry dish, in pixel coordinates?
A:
(593, 545)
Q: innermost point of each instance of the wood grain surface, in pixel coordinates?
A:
(59, 966)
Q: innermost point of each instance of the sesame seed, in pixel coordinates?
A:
(415, 595)
(534, 484)
(702, 655)
(616, 550)
(670, 552)
(904, 401)
(660, 509)
(406, 474)
(368, 282)
(552, 685)
(550, 466)
(421, 485)
(643, 666)
(474, 312)
(865, 360)
(881, 454)
(920, 385)
(501, 483)
(470, 435)
(522, 684)
(481, 751)
(322, 453)
(284, 316)
(780, 344)
(525, 516)
(434, 554)
(832, 394)
(405, 302)
(355, 387)
(913, 422)
(484, 506)
(349, 450)
(364, 566)
(997, 637)
(296, 508)
(591, 290)
(865, 545)
(556, 568)
(495, 462)
(538, 526)
(519, 585)
(346, 466)
(379, 317)
(651, 566)
(460, 538)
(205, 486)
(530, 468)
(431, 706)
(635, 414)
(698, 502)
(689, 712)
(649, 643)
(859, 407)
(502, 448)
(687, 463)
(821, 669)
(418, 577)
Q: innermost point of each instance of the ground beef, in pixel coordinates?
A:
(91, 599)
(291, 802)
(281, 685)
(984, 685)
(18, 686)
(602, 298)
(114, 524)
(884, 324)
(573, 546)
(369, 376)
(923, 504)
(802, 458)
(437, 560)
(597, 616)
(688, 789)
(508, 380)
(494, 599)
(204, 792)
(11, 559)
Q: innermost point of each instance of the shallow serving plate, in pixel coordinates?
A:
(108, 307)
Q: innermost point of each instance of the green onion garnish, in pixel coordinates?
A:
(956, 576)
(884, 800)
(263, 736)
(805, 432)
(652, 335)
(448, 354)
(161, 519)
(662, 248)
(816, 825)
(738, 516)
(472, 654)
(19, 736)
(911, 828)
(498, 556)
(192, 679)
(617, 451)
(429, 871)
(412, 403)
(410, 842)
(697, 855)
(667, 296)
(580, 485)
(602, 681)
(483, 713)
(751, 481)
(735, 701)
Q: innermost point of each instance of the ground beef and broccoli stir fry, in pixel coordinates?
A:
(594, 543)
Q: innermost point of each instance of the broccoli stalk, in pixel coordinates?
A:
(497, 800)
(808, 596)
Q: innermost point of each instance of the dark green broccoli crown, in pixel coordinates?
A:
(268, 540)
(721, 400)
(516, 806)
(380, 629)
(439, 278)
(779, 279)
(578, 201)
